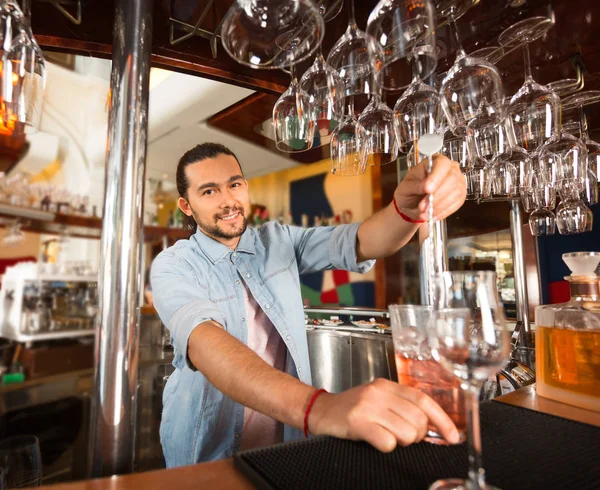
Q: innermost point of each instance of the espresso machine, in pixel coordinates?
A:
(42, 302)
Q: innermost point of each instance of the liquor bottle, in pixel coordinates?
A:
(567, 338)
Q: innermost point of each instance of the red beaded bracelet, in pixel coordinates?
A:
(404, 216)
(309, 408)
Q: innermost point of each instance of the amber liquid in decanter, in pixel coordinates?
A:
(568, 340)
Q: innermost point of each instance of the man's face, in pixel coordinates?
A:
(217, 198)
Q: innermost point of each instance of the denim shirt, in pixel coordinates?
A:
(200, 279)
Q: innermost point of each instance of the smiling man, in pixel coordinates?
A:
(230, 297)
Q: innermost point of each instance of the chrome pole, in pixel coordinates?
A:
(112, 430)
(429, 264)
(522, 300)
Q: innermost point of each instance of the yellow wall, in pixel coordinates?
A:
(353, 193)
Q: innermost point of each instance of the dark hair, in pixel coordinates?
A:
(200, 152)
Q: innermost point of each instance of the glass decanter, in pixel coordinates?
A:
(568, 338)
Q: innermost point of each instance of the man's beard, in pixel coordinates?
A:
(214, 229)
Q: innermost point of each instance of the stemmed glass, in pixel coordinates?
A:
(375, 136)
(534, 109)
(350, 57)
(344, 152)
(398, 27)
(325, 91)
(271, 34)
(417, 112)
(468, 337)
(470, 82)
(580, 100)
(293, 118)
(542, 221)
(572, 214)
(490, 137)
(329, 9)
(23, 69)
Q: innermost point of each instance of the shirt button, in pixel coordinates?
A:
(267, 306)
(237, 435)
(248, 274)
(237, 282)
(288, 337)
(299, 370)
(243, 319)
(234, 254)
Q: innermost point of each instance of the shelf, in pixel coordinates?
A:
(38, 221)
(38, 337)
(349, 311)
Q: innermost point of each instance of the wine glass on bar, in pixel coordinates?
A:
(469, 338)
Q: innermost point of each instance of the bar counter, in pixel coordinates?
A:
(223, 475)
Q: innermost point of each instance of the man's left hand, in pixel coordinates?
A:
(446, 183)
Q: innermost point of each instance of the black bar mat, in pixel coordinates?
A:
(522, 449)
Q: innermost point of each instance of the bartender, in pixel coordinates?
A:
(230, 297)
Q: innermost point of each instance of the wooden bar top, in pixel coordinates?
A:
(528, 398)
(219, 475)
(223, 476)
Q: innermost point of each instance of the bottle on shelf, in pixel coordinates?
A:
(568, 338)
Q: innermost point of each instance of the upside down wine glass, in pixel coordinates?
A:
(470, 82)
(534, 109)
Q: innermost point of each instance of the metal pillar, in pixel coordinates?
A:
(431, 264)
(522, 300)
(112, 431)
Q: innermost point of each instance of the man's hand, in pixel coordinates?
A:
(383, 413)
(446, 183)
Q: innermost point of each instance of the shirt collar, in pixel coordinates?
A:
(216, 251)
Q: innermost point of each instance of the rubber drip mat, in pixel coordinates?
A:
(522, 449)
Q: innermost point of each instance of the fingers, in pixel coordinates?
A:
(442, 167)
(434, 413)
(448, 198)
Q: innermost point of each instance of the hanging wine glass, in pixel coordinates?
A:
(493, 54)
(417, 112)
(325, 91)
(476, 176)
(563, 87)
(580, 100)
(490, 137)
(292, 119)
(534, 109)
(329, 9)
(271, 34)
(456, 150)
(345, 160)
(398, 27)
(23, 70)
(542, 221)
(563, 162)
(470, 82)
(572, 214)
(350, 57)
(375, 136)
